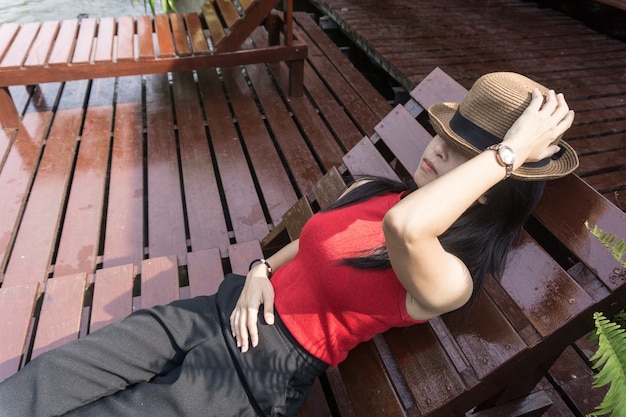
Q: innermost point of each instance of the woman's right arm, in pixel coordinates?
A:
(256, 291)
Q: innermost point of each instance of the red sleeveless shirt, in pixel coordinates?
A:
(330, 307)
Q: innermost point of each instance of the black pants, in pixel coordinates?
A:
(174, 360)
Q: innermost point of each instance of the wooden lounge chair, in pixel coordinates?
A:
(491, 362)
(54, 51)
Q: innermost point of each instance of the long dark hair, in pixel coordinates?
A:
(481, 237)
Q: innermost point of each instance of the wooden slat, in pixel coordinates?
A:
(159, 281)
(64, 43)
(368, 385)
(246, 3)
(196, 34)
(15, 56)
(9, 116)
(278, 192)
(241, 254)
(301, 163)
(438, 87)
(566, 205)
(601, 162)
(329, 188)
(362, 114)
(60, 316)
(166, 224)
(34, 244)
(432, 360)
(212, 20)
(144, 38)
(364, 159)
(406, 138)
(17, 305)
(8, 31)
(164, 36)
(179, 31)
(112, 296)
(316, 403)
(84, 41)
(104, 42)
(316, 130)
(533, 281)
(205, 271)
(161, 65)
(574, 376)
(40, 50)
(204, 209)
(243, 202)
(79, 244)
(125, 38)
(344, 128)
(321, 44)
(18, 172)
(125, 213)
(487, 344)
(241, 29)
(296, 217)
(227, 11)
(6, 137)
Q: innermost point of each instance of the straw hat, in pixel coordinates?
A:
(492, 105)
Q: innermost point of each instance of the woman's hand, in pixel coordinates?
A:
(257, 290)
(544, 120)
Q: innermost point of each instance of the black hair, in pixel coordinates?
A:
(481, 237)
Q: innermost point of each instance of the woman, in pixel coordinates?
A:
(381, 257)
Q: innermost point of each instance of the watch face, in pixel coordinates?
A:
(507, 155)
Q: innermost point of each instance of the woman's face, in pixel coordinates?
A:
(438, 158)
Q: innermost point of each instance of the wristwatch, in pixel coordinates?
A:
(505, 157)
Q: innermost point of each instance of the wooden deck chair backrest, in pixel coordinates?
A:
(232, 22)
(558, 276)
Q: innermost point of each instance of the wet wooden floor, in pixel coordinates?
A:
(469, 38)
(113, 171)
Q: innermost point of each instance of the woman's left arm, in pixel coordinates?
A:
(437, 280)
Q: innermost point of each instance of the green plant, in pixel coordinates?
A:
(617, 249)
(167, 5)
(610, 358)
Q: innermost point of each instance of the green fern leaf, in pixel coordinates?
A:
(611, 358)
(618, 250)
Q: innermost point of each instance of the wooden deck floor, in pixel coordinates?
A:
(469, 38)
(113, 171)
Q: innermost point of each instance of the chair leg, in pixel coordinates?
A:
(273, 25)
(9, 117)
(296, 78)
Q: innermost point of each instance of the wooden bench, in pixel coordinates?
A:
(493, 362)
(53, 51)
(490, 363)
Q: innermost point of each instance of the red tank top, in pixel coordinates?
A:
(330, 307)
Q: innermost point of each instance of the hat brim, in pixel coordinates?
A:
(440, 116)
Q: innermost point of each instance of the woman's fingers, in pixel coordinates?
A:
(244, 318)
(252, 329)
